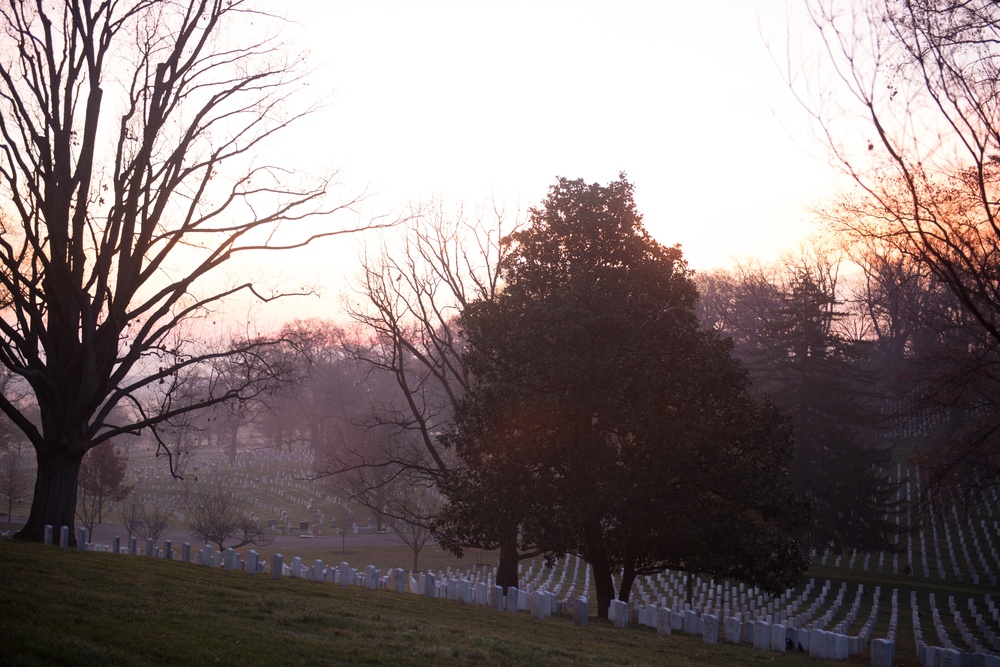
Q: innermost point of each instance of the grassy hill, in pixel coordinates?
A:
(58, 606)
(62, 607)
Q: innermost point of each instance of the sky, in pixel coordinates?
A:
(467, 102)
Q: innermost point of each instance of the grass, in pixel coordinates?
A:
(59, 606)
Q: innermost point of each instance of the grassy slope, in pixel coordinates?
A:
(61, 607)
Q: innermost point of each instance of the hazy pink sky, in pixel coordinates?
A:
(468, 100)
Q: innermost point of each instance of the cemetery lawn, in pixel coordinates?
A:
(59, 606)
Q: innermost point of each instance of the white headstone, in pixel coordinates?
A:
(464, 591)
(692, 624)
(512, 599)
(950, 657)
(277, 565)
(534, 603)
(620, 613)
(580, 612)
(762, 636)
(883, 652)
(399, 581)
(710, 628)
(663, 621)
(731, 627)
(839, 646)
(778, 636)
(480, 592)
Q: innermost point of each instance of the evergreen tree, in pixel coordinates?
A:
(825, 383)
(602, 421)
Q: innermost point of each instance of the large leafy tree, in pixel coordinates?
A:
(603, 421)
(133, 167)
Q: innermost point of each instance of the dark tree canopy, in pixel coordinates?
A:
(602, 421)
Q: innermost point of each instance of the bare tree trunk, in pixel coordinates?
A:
(54, 500)
(234, 432)
(507, 567)
(628, 578)
(603, 584)
(279, 435)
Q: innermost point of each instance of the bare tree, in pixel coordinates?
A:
(102, 485)
(134, 166)
(219, 517)
(410, 297)
(919, 136)
(183, 432)
(329, 390)
(414, 501)
(130, 514)
(15, 475)
(16, 469)
(155, 520)
(144, 519)
(411, 291)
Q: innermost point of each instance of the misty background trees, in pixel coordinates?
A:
(909, 113)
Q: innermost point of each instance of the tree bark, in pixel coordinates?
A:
(234, 431)
(507, 567)
(54, 500)
(603, 584)
(628, 578)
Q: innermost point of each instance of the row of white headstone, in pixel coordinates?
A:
(944, 652)
(256, 470)
(980, 552)
(761, 634)
(973, 555)
(669, 589)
